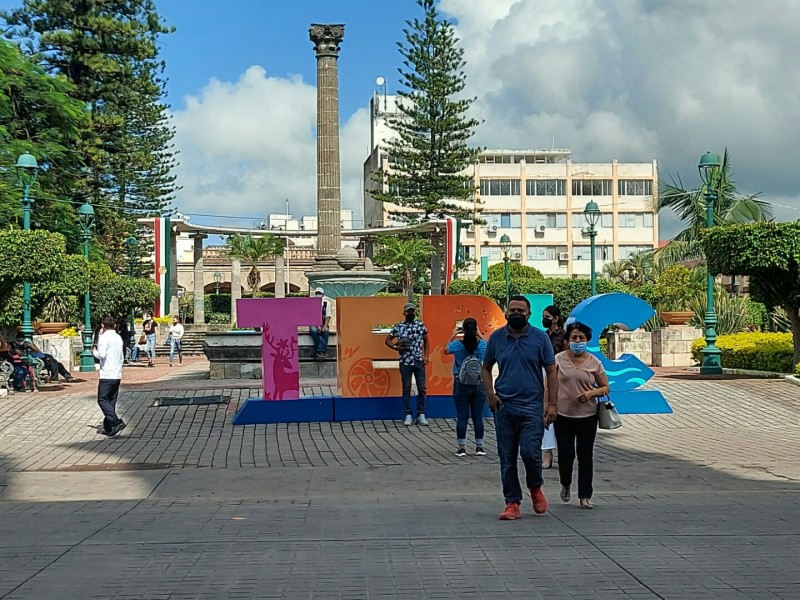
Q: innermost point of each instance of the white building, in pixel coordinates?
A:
(537, 198)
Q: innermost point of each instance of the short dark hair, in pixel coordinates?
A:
(553, 310)
(109, 322)
(520, 298)
(584, 329)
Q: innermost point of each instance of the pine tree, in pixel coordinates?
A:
(108, 51)
(430, 155)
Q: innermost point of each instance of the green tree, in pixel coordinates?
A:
(108, 52)
(115, 295)
(429, 158)
(767, 253)
(253, 250)
(406, 258)
(38, 116)
(730, 208)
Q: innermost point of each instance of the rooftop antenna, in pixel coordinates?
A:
(553, 147)
(381, 83)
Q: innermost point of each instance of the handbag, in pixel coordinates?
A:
(607, 415)
(142, 340)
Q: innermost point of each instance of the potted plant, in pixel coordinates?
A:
(674, 291)
(54, 315)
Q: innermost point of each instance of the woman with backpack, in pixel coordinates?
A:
(468, 391)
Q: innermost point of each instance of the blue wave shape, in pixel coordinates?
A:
(623, 371)
(636, 380)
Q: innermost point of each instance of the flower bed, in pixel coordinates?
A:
(753, 351)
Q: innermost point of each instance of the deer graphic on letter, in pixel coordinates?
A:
(283, 377)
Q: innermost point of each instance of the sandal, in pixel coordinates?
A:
(547, 464)
(587, 504)
(565, 494)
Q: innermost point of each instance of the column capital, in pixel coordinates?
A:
(326, 39)
(199, 236)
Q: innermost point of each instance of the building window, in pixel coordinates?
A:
(549, 220)
(500, 187)
(578, 220)
(585, 253)
(495, 254)
(635, 187)
(510, 220)
(591, 187)
(545, 187)
(607, 221)
(626, 252)
(538, 253)
(647, 219)
(627, 220)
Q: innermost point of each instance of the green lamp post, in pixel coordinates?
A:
(592, 215)
(505, 246)
(133, 258)
(710, 356)
(27, 170)
(217, 280)
(421, 282)
(86, 219)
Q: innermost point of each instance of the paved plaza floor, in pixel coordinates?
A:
(703, 503)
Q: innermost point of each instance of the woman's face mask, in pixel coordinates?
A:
(577, 347)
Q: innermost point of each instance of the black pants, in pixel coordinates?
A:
(576, 433)
(417, 370)
(107, 392)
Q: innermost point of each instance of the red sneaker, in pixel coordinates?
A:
(511, 513)
(539, 501)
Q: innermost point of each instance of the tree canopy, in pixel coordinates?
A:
(429, 157)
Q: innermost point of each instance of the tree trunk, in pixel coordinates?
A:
(794, 317)
(409, 285)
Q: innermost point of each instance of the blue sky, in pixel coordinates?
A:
(607, 80)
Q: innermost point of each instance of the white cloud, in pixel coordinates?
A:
(248, 145)
(638, 80)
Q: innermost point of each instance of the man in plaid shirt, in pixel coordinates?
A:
(410, 339)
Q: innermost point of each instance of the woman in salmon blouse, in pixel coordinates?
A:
(581, 382)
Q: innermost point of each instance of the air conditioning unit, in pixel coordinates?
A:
(471, 229)
(585, 232)
(563, 256)
(493, 228)
(517, 255)
(540, 228)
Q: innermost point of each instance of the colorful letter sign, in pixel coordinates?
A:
(279, 319)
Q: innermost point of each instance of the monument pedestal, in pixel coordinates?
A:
(672, 346)
(637, 343)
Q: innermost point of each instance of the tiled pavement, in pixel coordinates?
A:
(703, 503)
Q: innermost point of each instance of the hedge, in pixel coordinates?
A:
(797, 370)
(753, 351)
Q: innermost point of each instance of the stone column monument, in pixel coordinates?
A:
(326, 40)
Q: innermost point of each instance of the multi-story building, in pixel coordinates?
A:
(537, 198)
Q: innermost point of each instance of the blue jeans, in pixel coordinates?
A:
(320, 337)
(519, 434)
(470, 400)
(175, 346)
(151, 346)
(418, 371)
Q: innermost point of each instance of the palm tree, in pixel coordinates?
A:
(690, 205)
(633, 271)
(254, 250)
(404, 256)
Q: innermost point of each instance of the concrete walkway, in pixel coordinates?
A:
(701, 503)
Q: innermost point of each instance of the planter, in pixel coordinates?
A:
(45, 328)
(678, 317)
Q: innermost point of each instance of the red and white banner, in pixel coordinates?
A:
(450, 250)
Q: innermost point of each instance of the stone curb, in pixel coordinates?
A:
(749, 373)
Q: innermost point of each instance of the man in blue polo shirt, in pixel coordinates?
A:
(521, 352)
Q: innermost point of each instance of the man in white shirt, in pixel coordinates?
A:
(111, 355)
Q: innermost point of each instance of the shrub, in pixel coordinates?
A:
(797, 370)
(515, 271)
(464, 287)
(754, 351)
(758, 315)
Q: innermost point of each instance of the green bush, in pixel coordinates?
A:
(218, 318)
(758, 315)
(497, 272)
(753, 351)
(797, 370)
(464, 287)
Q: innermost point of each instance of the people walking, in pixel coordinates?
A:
(176, 340)
(321, 333)
(468, 392)
(523, 355)
(149, 329)
(410, 338)
(111, 355)
(551, 321)
(581, 381)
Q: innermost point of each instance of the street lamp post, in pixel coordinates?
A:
(710, 356)
(217, 280)
(505, 246)
(592, 215)
(133, 258)
(86, 219)
(27, 171)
